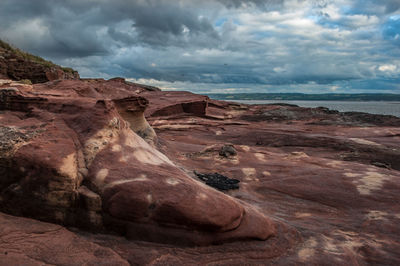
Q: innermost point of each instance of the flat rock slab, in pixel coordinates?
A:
(26, 241)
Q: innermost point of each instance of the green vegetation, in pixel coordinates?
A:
(307, 97)
(5, 45)
(68, 70)
(25, 81)
(31, 57)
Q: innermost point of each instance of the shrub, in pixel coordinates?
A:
(25, 81)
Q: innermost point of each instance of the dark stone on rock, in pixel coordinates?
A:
(316, 116)
(382, 165)
(227, 151)
(283, 104)
(370, 119)
(218, 181)
(327, 110)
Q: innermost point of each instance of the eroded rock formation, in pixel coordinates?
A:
(333, 176)
(18, 65)
(75, 153)
(321, 187)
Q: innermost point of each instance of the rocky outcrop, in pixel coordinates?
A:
(333, 176)
(318, 116)
(75, 153)
(318, 186)
(18, 65)
(165, 104)
(132, 110)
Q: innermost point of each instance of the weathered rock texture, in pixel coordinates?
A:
(322, 187)
(333, 176)
(29, 242)
(75, 153)
(18, 65)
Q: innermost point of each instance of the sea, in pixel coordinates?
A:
(372, 107)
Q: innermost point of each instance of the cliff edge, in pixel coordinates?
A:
(18, 65)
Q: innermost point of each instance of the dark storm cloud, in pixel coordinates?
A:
(321, 44)
(160, 23)
(49, 28)
(83, 28)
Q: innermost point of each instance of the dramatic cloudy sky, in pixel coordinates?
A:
(206, 46)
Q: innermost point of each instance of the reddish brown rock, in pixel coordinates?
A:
(61, 135)
(18, 65)
(164, 104)
(320, 185)
(333, 176)
(29, 242)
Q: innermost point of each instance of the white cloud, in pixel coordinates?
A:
(389, 68)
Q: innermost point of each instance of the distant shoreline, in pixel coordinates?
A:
(372, 107)
(362, 97)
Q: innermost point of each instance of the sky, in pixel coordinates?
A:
(217, 46)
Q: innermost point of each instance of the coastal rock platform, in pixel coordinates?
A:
(316, 186)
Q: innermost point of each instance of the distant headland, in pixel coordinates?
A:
(307, 97)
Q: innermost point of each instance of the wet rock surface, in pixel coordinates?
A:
(317, 186)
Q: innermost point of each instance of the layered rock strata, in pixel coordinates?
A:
(36, 70)
(331, 180)
(333, 176)
(81, 153)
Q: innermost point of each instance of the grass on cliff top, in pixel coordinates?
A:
(31, 57)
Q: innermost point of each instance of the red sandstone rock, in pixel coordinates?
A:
(67, 133)
(18, 65)
(330, 179)
(164, 104)
(29, 242)
(315, 169)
